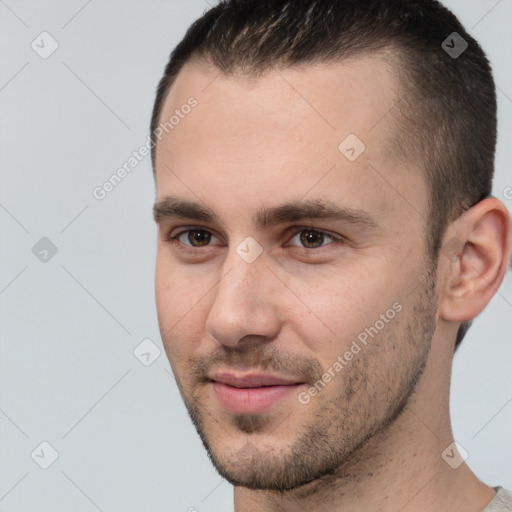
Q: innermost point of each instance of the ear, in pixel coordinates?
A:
(477, 246)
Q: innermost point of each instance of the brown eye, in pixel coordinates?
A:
(198, 238)
(193, 238)
(311, 238)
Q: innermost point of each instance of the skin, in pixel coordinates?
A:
(372, 438)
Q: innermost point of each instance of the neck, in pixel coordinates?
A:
(398, 469)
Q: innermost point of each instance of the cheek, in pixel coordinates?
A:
(181, 311)
(333, 309)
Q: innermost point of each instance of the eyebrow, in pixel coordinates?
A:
(171, 207)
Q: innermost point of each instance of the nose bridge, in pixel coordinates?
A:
(243, 305)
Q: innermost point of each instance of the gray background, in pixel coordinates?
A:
(70, 324)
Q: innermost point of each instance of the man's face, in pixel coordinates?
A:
(294, 336)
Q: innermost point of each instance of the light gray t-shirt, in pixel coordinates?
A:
(502, 502)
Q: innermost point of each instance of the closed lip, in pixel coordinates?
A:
(253, 380)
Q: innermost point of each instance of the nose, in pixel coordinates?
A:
(246, 303)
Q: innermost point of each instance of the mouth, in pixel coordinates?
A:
(251, 393)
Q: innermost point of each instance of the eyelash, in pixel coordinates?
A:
(335, 240)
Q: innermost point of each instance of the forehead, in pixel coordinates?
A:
(279, 136)
(320, 102)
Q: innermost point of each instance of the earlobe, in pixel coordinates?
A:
(477, 249)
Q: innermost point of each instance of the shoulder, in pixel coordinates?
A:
(502, 502)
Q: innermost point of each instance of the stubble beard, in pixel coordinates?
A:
(338, 424)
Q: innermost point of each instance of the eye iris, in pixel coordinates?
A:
(198, 238)
(311, 238)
